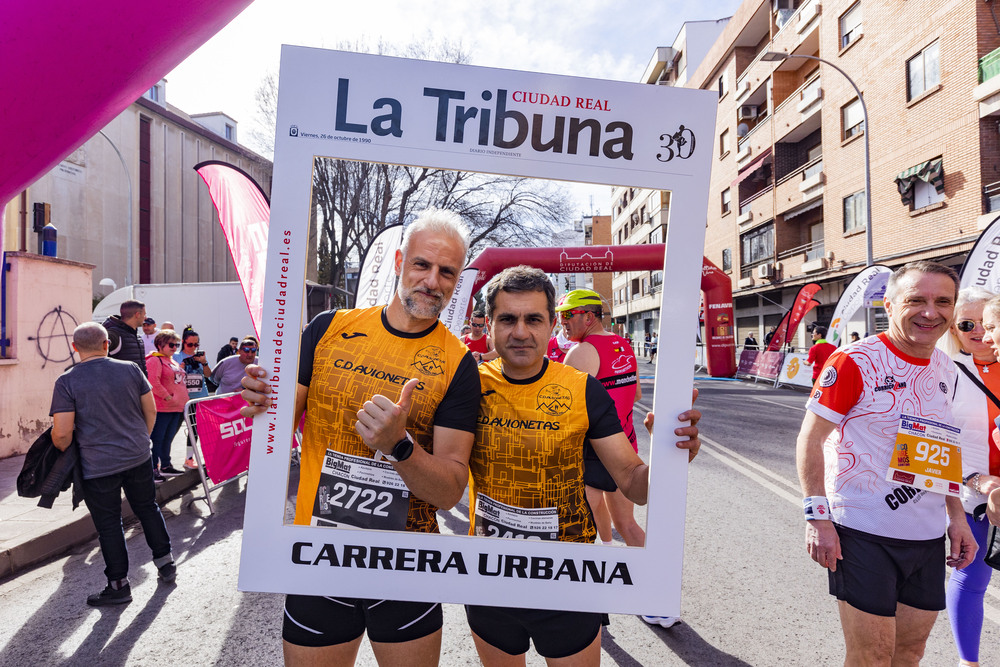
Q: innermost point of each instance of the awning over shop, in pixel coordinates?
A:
(931, 171)
(752, 167)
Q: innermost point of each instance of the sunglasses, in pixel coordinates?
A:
(965, 326)
(190, 344)
(172, 346)
(248, 349)
(568, 314)
(477, 326)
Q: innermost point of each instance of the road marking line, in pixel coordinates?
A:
(783, 405)
(793, 498)
(753, 464)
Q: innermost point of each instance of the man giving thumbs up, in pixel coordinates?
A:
(412, 451)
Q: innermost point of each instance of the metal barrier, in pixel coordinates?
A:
(191, 423)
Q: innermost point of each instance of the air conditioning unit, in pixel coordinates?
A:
(747, 112)
(765, 270)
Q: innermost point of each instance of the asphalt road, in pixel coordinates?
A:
(751, 595)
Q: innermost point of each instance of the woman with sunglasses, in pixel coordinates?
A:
(977, 405)
(193, 361)
(170, 394)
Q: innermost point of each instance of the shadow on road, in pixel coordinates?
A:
(683, 641)
(40, 639)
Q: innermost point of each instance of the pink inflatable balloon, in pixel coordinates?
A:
(68, 67)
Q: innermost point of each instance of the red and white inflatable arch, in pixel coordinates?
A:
(720, 342)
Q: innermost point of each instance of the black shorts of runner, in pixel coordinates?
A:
(326, 621)
(556, 634)
(877, 572)
(594, 473)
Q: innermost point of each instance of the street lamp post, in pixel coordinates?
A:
(128, 178)
(779, 56)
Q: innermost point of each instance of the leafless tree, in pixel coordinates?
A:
(353, 201)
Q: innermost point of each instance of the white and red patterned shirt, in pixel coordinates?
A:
(864, 389)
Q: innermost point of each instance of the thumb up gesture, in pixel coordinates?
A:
(382, 422)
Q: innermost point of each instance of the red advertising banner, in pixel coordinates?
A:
(244, 214)
(803, 304)
(765, 365)
(224, 437)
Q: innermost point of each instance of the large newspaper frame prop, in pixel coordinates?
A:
(380, 109)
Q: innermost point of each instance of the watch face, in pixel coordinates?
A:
(402, 450)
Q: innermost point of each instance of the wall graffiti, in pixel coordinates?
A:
(54, 337)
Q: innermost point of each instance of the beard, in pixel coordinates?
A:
(421, 308)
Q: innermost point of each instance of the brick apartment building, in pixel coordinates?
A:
(787, 203)
(641, 216)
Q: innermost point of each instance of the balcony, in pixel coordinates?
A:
(987, 93)
(798, 115)
(989, 66)
(804, 259)
(758, 207)
(803, 185)
(798, 26)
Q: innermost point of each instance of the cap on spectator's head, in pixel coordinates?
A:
(149, 320)
(579, 298)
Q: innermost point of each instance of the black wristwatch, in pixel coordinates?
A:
(400, 451)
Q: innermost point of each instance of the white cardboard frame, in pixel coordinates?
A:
(672, 142)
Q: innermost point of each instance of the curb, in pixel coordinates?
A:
(61, 538)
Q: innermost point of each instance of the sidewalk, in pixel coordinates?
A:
(30, 534)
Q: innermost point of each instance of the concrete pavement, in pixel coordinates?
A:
(30, 534)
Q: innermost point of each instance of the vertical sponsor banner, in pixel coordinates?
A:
(378, 277)
(224, 437)
(982, 266)
(244, 213)
(868, 287)
(368, 108)
(790, 322)
(453, 316)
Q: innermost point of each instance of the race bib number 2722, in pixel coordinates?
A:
(358, 492)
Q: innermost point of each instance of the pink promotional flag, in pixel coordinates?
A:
(244, 213)
(803, 304)
(224, 437)
(70, 66)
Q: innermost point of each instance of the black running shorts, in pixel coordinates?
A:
(327, 621)
(556, 634)
(877, 572)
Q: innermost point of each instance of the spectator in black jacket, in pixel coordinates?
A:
(123, 333)
(228, 350)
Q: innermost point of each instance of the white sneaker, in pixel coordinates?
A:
(662, 621)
